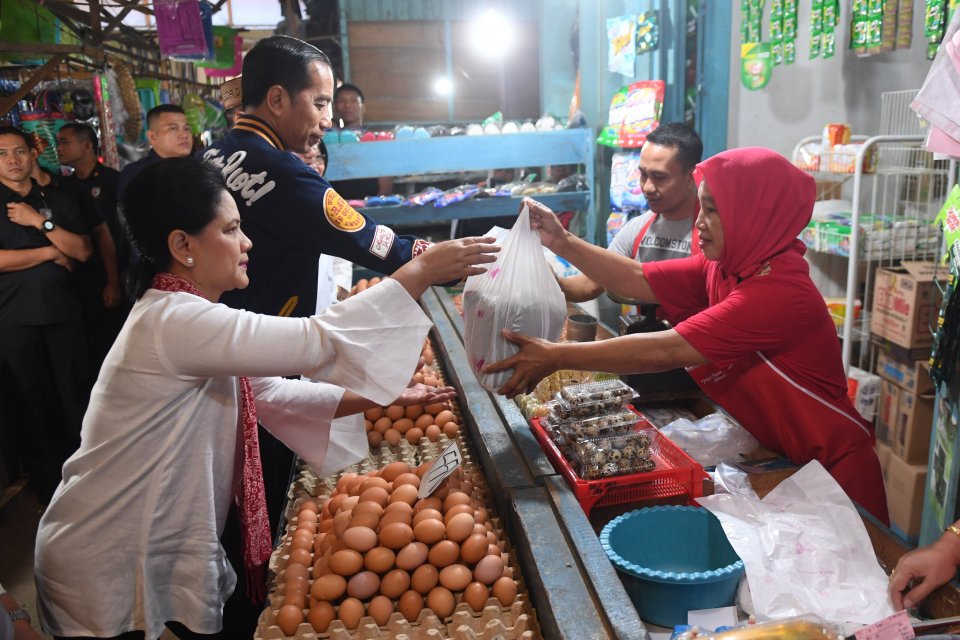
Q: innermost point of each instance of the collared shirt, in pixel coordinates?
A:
(103, 184)
(292, 215)
(45, 293)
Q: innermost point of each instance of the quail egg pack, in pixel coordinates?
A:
(609, 423)
(605, 456)
(588, 393)
(595, 429)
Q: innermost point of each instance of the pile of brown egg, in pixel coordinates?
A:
(374, 547)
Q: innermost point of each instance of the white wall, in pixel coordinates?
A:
(801, 98)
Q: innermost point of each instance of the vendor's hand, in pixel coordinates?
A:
(552, 234)
(23, 214)
(419, 393)
(531, 364)
(454, 260)
(926, 568)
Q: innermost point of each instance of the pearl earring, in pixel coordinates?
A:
(190, 262)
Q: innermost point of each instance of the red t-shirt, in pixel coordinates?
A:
(777, 311)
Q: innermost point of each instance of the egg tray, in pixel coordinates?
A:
(516, 622)
(307, 482)
(325, 486)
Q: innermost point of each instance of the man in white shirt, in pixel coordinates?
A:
(667, 231)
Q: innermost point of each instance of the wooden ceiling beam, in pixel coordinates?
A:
(49, 68)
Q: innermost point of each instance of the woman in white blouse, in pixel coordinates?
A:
(130, 541)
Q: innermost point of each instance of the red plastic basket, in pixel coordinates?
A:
(677, 474)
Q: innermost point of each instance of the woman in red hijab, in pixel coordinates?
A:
(748, 321)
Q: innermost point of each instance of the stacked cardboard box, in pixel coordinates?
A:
(905, 302)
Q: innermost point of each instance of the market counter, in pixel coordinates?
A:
(580, 531)
(573, 586)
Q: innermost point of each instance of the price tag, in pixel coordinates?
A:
(443, 466)
(895, 627)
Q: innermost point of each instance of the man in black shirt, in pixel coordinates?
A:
(104, 304)
(41, 337)
(169, 136)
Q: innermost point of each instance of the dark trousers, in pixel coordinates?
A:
(178, 630)
(42, 398)
(101, 327)
(240, 614)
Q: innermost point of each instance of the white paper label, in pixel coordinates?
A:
(443, 466)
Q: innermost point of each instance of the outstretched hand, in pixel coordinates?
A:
(454, 260)
(419, 393)
(531, 364)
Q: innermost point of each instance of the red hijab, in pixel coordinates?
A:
(764, 202)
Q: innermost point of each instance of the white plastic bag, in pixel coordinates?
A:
(712, 439)
(805, 550)
(518, 292)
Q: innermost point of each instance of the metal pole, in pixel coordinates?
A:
(344, 39)
(448, 53)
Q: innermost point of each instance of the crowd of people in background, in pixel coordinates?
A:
(64, 258)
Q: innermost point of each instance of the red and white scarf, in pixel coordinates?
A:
(251, 497)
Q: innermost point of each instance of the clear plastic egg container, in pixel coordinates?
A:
(618, 421)
(590, 392)
(607, 456)
(560, 409)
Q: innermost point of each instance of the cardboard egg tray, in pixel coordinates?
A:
(516, 622)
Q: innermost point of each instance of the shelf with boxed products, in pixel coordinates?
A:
(885, 202)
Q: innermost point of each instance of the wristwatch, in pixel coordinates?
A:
(47, 227)
(19, 614)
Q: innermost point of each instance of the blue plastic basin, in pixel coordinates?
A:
(672, 560)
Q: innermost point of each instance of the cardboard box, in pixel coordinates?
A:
(911, 437)
(897, 352)
(889, 412)
(883, 453)
(912, 376)
(905, 301)
(905, 483)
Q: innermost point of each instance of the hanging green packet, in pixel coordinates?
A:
(949, 221)
(816, 27)
(756, 65)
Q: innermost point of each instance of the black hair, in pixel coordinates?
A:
(278, 60)
(346, 86)
(682, 138)
(170, 194)
(7, 130)
(154, 113)
(83, 132)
